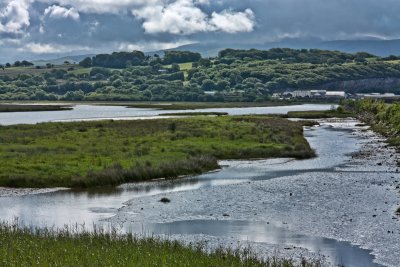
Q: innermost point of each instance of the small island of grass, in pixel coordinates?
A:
(31, 107)
(317, 114)
(100, 153)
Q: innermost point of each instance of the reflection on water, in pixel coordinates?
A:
(93, 206)
(90, 206)
(339, 252)
(93, 112)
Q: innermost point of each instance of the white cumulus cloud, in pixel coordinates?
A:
(186, 17)
(55, 11)
(14, 16)
(231, 22)
(46, 48)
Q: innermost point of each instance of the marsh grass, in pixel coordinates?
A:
(204, 105)
(22, 246)
(195, 114)
(316, 114)
(29, 108)
(99, 153)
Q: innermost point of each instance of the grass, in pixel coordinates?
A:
(80, 71)
(195, 114)
(15, 71)
(34, 247)
(204, 105)
(89, 154)
(315, 114)
(29, 108)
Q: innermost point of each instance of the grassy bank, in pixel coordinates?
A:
(28, 108)
(87, 154)
(24, 247)
(384, 118)
(203, 105)
(195, 114)
(316, 114)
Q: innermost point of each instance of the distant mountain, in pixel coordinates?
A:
(61, 60)
(374, 46)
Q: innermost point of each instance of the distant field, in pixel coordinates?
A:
(15, 71)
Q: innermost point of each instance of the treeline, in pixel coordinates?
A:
(23, 63)
(225, 78)
(121, 60)
(315, 56)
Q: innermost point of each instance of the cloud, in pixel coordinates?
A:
(151, 45)
(231, 22)
(40, 48)
(184, 17)
(14, 17)
(55, 11)
(103, 6)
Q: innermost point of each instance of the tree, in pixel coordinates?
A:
(175, 68)
(208, 85)
(181, 57)
(86, 63)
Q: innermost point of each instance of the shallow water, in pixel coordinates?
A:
(86, 208)
(339, 253)
(96, 112)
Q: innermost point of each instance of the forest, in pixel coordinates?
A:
(234, 75)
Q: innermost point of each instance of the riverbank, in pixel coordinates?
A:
(354, 201)
(101, 153)
(32, 108)
(320, 114)
(383, 118)
(213, 105)
(46, 247)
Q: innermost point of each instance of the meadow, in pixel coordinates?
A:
(107, 153)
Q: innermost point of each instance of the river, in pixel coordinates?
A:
(338, 207)
(103, 112)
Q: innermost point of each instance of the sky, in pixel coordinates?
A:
(42, 28)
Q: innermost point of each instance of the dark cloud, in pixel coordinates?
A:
(102, 26)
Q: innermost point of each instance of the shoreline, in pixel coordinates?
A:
(337, 205)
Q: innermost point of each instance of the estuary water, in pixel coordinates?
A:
(338, 207)
(103, 112)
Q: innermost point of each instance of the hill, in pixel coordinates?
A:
(375, 46)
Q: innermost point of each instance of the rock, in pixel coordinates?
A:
(165, 200)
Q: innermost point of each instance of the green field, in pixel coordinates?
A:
(24, 247)
(87, 154)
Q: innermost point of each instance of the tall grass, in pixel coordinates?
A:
(86, 154)
(67, 247)
(29, 108)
